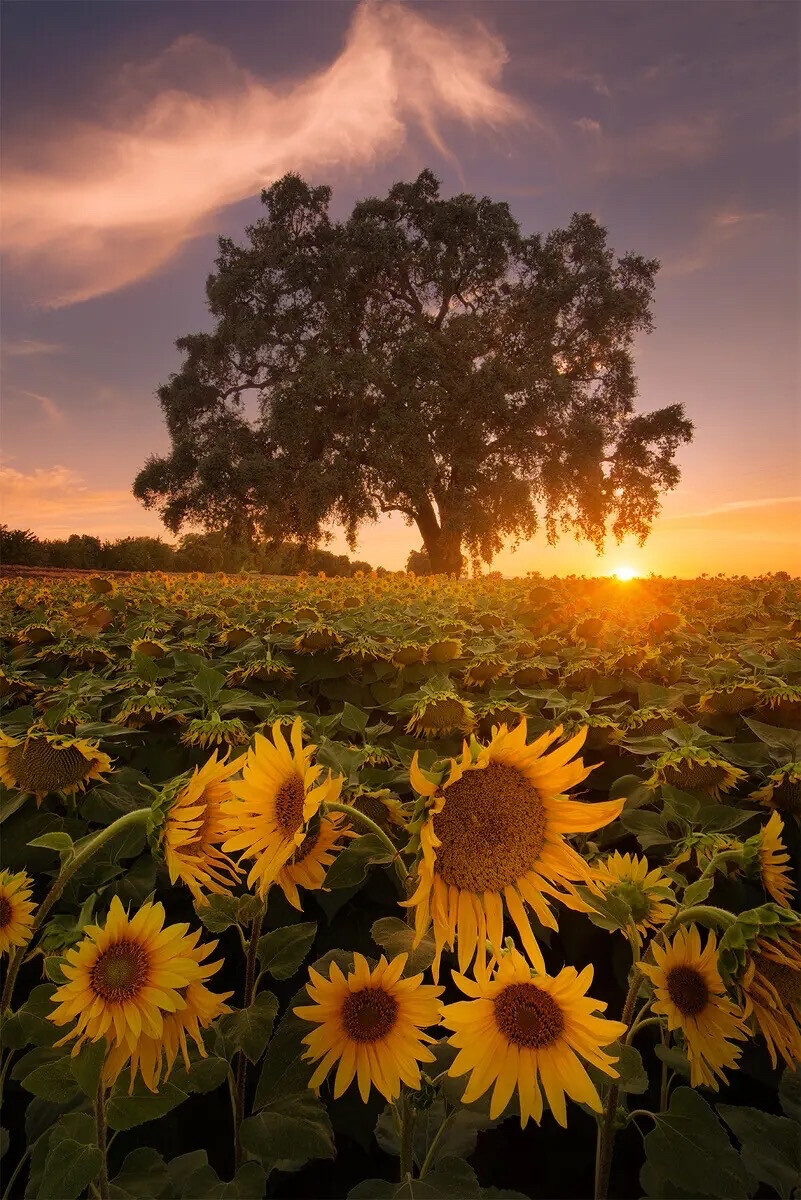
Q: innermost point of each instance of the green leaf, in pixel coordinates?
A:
(451, 1179)
(633, 1077)
(209, 683)
(127, 1111)
(249, 1029)
(697, 892)
(88, 1064)
(396, 937)
(790, 1093)
(717, 818)
(220, 913)
(770, 1146)
(204, 1075)
(690, 1148)
(61, 842)
(142, 1176)
(613, 911)
(30, 1024)
(69, 1168)
(349, 868)
(248, 1182)
(53, 1081)
(674, 1058)
(353, 718)
(281, 951)
(648, 827)
(191, 1177)
(778, 739)
(286, 1137)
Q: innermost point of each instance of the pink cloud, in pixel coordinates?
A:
(106, 204)
(57, 501)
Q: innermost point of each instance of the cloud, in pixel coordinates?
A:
(104, 205)
(29, 347)
(717, 231)
(738, 505)
(775, 519)
(588, 125)
(57, 501)
(49, 406)
(654, 148)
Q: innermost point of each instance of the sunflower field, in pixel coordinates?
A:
(396, 887)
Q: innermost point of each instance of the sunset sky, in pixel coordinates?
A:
(135, 132)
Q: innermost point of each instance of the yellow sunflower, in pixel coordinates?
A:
(370, 1023)
(281, 790)
(382, 806)
(437, 716)
(16, 910)
(771, 989)
(151, 1055)
(493, 830)
(690, 993)
(695, 767)
(648, 893)
(50, 762)
(519, 1028)
(782, 791)
(196, 826)
(310, 861)
(772, 861)
(124, 976)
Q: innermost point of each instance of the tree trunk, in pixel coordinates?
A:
(443, 543)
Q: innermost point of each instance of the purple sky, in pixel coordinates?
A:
(135, 132)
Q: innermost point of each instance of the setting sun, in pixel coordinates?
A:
(624, 574)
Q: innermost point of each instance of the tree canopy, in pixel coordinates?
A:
(421, 357)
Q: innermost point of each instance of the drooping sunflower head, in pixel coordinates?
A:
(265, 669)
(445, 650)
(125, 975)
(781, 706)
(409, 653)
(381, 806)
(195, 826)
(689, 991)
(492, 828)
(733, 698)
(646, 722)
(483, 670)
(782, 791)
(522, 1029)
(150, 647)
(310, 861)
(695, 768)
(148, 708)
(771, 989)
(437, 715)
(281, 789)
(648, 893)
(16, 910)
(42, 763)
(371, 1023)
(317, 638)
(767, 860)
(215, 731)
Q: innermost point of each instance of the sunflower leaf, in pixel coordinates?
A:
(286, 1137)
(790, 1093)
(396, 937)
(142, 1176)
(249, 1029)
(127, 1111)
(281, 951)
(770, 1146)
(689, 1147)
(349, 868)
(87, 1066)
(69, 1168)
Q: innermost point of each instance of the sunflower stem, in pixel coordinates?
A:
(70, 867)
(100, 1124)
(428, 1161)
(700, 912)
(375, 828)
(639, 1024)
(605, 1138)
(241, 1062)
(407, 1136)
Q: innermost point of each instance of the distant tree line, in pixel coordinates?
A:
(194, 552)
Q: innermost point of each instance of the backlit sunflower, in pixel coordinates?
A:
(437, 716)
(371, 1024)
(124, 976)
(42, 763)
(690, 993)
(493, 830)
(310, 861)
(16, 910)
(735, 698)
(215, 731)
(382, 806)
(696, 768)
(281, 790)
(648, 893)
(771, 989)
(195, 827)
(782, 791)
(520, 1028)
(771, 861)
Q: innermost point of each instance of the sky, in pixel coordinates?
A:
(135, 133)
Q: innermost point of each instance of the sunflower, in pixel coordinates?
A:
(439, 715)
(281, 790)
(735, 698)
(382, 806)
(770, 861)
(310, 861)
(447, 650)
(690, 993)
(492, 830)
(139, 711)
(196, 826)
(16, 910)
(124, 976)
(152, 1054)
(215, 731)
(520, 1027)
(408, 653)
(370, 1023)
(771, 989)
(781, 706)
(695, 767)
(50, 762)
(648, 893)
(782, 791)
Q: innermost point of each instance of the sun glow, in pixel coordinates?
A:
(624, 574)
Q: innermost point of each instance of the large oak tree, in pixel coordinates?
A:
(421, 357)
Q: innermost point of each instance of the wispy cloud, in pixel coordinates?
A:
(28, 347)
(733, 506)
(192, 132)
(651, 149)
(716, 233)
(49, 407)
(56, 501)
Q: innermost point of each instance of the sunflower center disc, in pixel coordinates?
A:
(305, 848)
(785, 979)
(492, 829)
(688, 990)
(39, 766)
(289, 804)
(369, 1015)
(121, 971)
(6, 912)
(528, 1016)
(695, 774)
